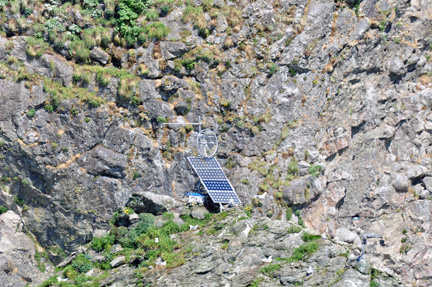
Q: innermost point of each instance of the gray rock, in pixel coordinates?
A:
(147, 90)
(171, 50)
(149, 202)
(99, 55)
(157, 108)
(222, 23)
(134, 218)
(400, 182)
(363, 266)
(427, 181)
(62, 72)
(104, 161)
(199, 212)
(17, 261)
(416, 171)
(99, 233)
(120, 260)
(423, 194)
(345, 235)
(396, 66)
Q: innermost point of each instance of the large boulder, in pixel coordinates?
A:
(149, 202)
(17, 251)
(104, 161)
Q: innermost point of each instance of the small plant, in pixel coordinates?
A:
(269, 269)
(82, 263)
(188, 128)
(49, 108)
(31, 113)
(102, 243)
(382, 25)
(288, 213)
(3, 209)
(293, 168)
(189, 64)
(256, 202)
(168, 216)
(303, 251)
(230, 163)
(18, 200)
(161, 119)
(273, 69)
(294, 229)
(315, 170)
(54, 146)
(25, 182)
(245, 181)
(306, 236)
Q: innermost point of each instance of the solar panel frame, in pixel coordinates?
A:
(214, 179)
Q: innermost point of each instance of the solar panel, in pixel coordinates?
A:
(214, 180)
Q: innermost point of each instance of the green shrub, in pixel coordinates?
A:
(273, 69)
(3, 209)
(303, 251)
(161, 119)
(36, 47)
(126, 242)
(103, 243)
(268, 269)
(31, 113)
(189, 64)
(306, 236)
(293, 168)
(194, 14)
(103, 79)
(156, 31)
(18, 200)
(315, 170)
(52, 281)
(294, 229)
(152, 15)
(289, 213)
(79, 50)
(165, 10)
(82, 263)
(168, 216)
(121, 232)
(127, 13)
(301, 221)
(148, 219)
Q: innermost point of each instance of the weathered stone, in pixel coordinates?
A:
(99, 55)
(62, 71)
(400, 182)
(104, 161)
(396, 66)
(149, 202)
(17, 252)
(427, 181)
(199, 212)
(345, 235)
(120, 260)
(172, 50)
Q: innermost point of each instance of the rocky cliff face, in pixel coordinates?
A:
(321, 106)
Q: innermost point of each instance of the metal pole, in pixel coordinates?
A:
(199, 130)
